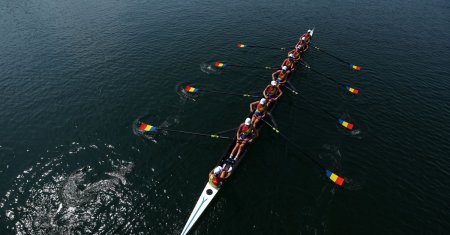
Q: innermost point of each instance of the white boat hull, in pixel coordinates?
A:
(209, 192)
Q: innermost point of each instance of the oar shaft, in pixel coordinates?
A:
(290, 89)
(319, 108)
(264, 47)
(331, 55)
(293, 143)
(352, 66)
(326, 76)
(225, 131)
(323, 75)
(196, 133)
(229, 93)
(252, 67)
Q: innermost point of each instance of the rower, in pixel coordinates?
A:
(272, 92)
(297, 52)
(307, 36)
(302, 43)
(280, 76)
(300, 49)
(244, 136)
(289, 63)
(227, 167)
(260, 111)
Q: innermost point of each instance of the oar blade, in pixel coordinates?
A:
(190, 89)
(240, 45)
(219, 64)
(345, 124)
(352, 90)
(355, 67)
(146, 127)
(335, 178)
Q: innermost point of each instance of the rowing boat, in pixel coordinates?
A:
(210, 191)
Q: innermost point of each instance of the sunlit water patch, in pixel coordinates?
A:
(66, 193)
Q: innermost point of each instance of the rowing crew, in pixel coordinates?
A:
(247, 131)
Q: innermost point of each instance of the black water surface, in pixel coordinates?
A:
(76, 75)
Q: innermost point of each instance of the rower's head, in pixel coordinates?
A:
(309, 31)
(299, 47)
(217, 170)
(284, 68)
(291, 56)
(263, 101)
(248, 121)
(273, 83)
(303, 39)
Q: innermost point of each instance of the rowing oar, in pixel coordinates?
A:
(291, 89)
(219, 64)
(194, 90)
(341, 121)
(144, 127)
(241, 45)
(350, 89)
(352, 66)
(332, 176)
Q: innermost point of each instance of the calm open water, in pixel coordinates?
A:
(75, 76)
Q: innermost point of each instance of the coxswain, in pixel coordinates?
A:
(214, 176)
(289, 63)
(260, 111)
(272, 92)
(297, 52)
(280, 76)
(244, 136)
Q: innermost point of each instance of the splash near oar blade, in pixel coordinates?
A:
(335, 178)
(147, 128)
(352, 90)
(355, 67)
(345, 124)
(190, 89)
(240, 45)
(219, 65)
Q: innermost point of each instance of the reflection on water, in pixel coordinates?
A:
(54, 196)
(89, 189)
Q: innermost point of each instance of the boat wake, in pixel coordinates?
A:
(208, 68)
(185, 96)
(145, 135)
(354, 133)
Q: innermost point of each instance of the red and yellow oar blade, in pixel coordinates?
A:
(355, 67)
(191, 89)
(240, 45)
(219, 64)
(352, 90)
(345, 124)
(335, 178)
(146, 127)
